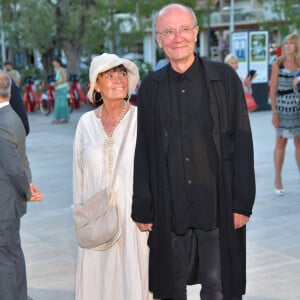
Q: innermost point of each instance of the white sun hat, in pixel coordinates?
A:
(105, 62)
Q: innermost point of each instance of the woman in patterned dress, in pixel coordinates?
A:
(120, 272)
(285, 104)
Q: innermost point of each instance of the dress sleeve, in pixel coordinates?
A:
(77, 166)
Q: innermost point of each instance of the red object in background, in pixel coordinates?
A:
(278, 51)
(251, 103)
(133, 99)
(30, 97)
(76, 94)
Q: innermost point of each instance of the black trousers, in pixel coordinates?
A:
(197, 250)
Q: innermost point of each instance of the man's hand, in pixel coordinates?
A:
(36, 194)
(144, 227)
(239, 220)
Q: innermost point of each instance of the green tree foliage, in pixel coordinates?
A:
(38, 30)
(38, 23)
(71, 18)
(109, 18)
(287, 15)
(48, 26)
(80, 27)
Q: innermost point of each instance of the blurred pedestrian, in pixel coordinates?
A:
(61, 112)
(216, 57)
(16, 189)
(120, 272)
(232, 60)
(285, 104)
(14, 74)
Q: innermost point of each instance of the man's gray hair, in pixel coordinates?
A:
(5, 85)
(162, 10)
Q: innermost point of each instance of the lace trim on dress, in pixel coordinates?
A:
(109, 142)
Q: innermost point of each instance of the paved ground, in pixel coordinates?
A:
(49, 242)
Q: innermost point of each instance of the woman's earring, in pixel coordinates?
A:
(97, 98)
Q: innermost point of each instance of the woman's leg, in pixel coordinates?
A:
(297, 151)
(278, 160)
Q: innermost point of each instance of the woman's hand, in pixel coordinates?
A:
(275, 119)
(247, 83)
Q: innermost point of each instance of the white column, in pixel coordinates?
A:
(149, 50)
(150, 44)
(231, 28)
(203, 51)
(2, 37)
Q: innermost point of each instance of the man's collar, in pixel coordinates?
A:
(190, 73)
(5, 103)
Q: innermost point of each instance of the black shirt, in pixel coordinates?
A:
(192, 158)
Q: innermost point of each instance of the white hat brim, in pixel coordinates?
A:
(105, 62)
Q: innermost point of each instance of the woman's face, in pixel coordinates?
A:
(234, 64)
(289, 47)
(113, 84)
(55, 64)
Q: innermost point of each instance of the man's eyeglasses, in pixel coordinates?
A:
(184, 31)
(114, 76)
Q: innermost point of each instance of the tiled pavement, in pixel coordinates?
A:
(49, 242)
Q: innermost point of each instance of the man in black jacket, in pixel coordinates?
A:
(17, 104)
(194, 184)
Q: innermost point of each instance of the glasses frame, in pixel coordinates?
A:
(169, 34)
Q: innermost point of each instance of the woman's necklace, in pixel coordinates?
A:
(109, 131)
(109, 126)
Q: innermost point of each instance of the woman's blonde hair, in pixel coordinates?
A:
(294, 38)
(230, 57)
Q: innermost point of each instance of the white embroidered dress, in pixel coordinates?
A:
(120, 272)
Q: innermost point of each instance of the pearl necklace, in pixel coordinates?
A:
(108, 145)
(110, 133)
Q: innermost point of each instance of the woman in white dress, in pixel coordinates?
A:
(120, 272)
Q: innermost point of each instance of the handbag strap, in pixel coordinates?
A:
(122, 145)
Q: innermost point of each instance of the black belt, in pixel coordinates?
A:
(281, 93)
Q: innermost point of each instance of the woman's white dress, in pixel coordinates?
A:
(120, 272)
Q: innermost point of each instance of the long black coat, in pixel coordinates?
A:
(233, 141)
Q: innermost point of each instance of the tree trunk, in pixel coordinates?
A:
(72, 53)
(47, 58)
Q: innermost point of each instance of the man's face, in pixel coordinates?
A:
(177, 34)
(8, 68)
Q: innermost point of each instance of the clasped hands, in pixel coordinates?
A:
(36, 194)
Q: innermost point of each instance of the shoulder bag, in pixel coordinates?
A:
(251, 103)
(96, 220)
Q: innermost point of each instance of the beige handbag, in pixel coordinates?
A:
(96, 220)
